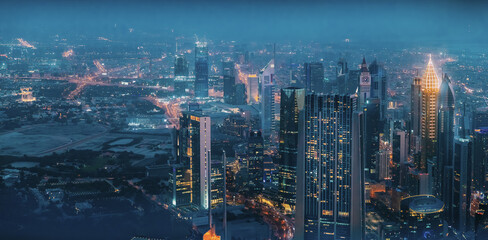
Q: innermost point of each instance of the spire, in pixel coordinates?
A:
(430, 81)
(364, 66)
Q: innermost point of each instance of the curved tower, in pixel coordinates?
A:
(445, 135)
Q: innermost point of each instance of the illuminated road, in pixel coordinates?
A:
(24, 43)
(171, 108)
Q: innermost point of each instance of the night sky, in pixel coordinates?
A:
(369, 21)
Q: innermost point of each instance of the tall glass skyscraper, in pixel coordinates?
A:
(255, 154)
(313, 79)
(228, 74)
(291, 118)
(194, 152)
(269, 109)
(330, 206)
(201, 69)
(445, 135)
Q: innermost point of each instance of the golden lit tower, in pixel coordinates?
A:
(430, 92)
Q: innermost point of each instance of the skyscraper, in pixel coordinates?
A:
(330, 194)
(228, 73)
(342, 73)
(252, 89)
(181, 65)
(291, 115)
(430, 91)
(379, 85)
(194, 152)
(201, 69)
(313, 77)
(372, 128)
(462, 189)
(480, 152)
(267, 100)
(445, 127)
(415, 114)
(255, 154)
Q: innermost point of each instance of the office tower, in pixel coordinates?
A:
(364, 83)
(267, 100)
(480, 151)
(430, 91)
(291, 115)
(255, 158)
(445, 135)
(379, 85)
(342, 73)
(399, 155)
(462, 178)
(480, 118)
(313, 77)
(330, 194)
(201, 69)
(352, 81)
(415, 114)
(252, 89)
(194, 146)
(372, 128)
(240, 94)
(463, 163)
(180, 185)
(228, 73)
(181, 65)
(422, 217)
(217, 184)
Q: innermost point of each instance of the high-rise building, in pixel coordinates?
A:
(252, 89)
(379, 85)
(445, 135)
(181, 65)
(313, 77)
(267, 99)
(372, 128)
(228, 73)
(342, 73)
(480, 118)
(180, 185)
(430, 91)
(364, 83)
(291, 115)
(255, 158)
(330, 188)
(201, 69)
(415, 114)
(480, 151)
(194, 152)
(462, 189)
(240, 94)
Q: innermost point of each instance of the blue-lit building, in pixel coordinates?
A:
(330, 180)
(201, 69)
(291, 119)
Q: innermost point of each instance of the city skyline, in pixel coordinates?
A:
(233, 120)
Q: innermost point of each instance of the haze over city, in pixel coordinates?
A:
(236, 120)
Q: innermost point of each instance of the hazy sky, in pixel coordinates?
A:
(394, 20)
